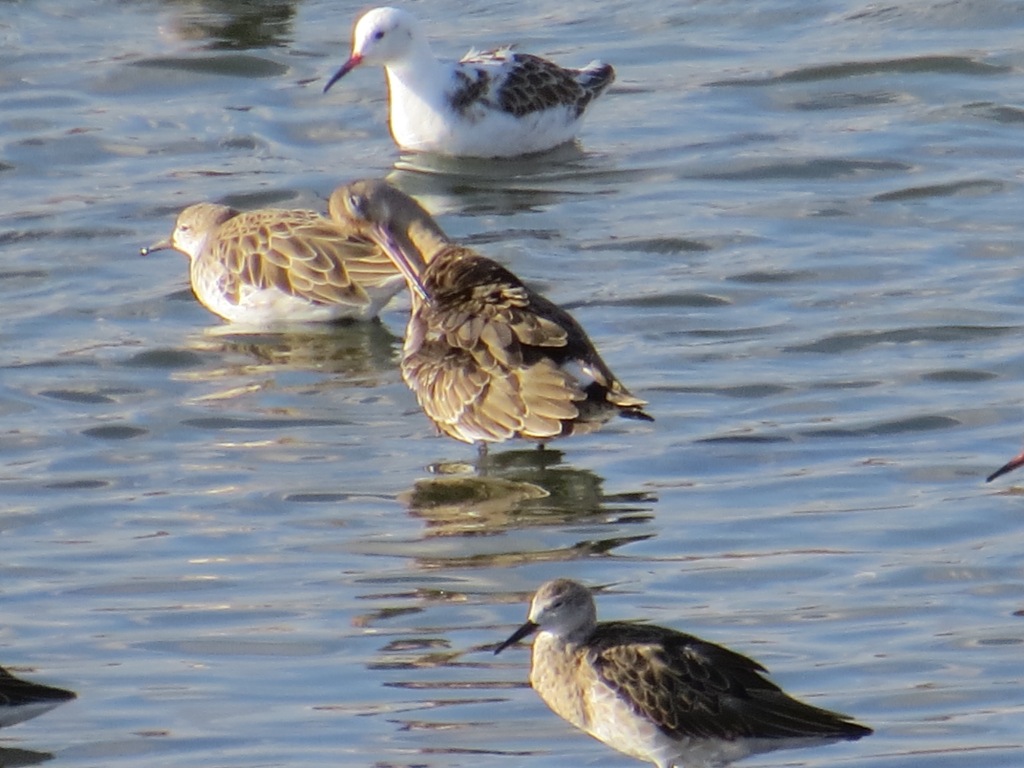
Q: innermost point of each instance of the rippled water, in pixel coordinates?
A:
(794, 227)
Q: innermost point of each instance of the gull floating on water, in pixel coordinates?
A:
(21, 700)
(489, 104)
(488, 358)
(275, 266)
(659, 695)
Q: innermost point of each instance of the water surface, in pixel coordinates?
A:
(795, 228)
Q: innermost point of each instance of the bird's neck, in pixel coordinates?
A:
(573, 637)
(197, 250)
(427, 238)
(417, 70)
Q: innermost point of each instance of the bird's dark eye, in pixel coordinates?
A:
(357, 205)
(378, 35)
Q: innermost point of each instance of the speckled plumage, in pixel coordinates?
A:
(22, 700)
(657, 694)
(488, 358)
(497, 103)
(521, 83)
(273, 266)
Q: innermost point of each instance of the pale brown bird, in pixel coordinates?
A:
(488, 358)
(660, 695)
(274, 266)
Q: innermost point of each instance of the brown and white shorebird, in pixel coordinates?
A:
(489, 104)
(488, 358)
(659, 695)
(276, 266)
(21, 700)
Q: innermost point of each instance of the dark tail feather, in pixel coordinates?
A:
(635, 413)
(595, 77)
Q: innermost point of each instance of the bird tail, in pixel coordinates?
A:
(595, 77)
(628, 405)
(635, 412)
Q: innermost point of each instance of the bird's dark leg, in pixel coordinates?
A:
(482, 458)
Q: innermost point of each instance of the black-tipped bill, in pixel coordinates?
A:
(402, 260)
(1009, 466)
(354, 61)
(524, 631)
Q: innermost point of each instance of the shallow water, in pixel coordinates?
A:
(792, 227)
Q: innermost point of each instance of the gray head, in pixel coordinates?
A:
(563, 607)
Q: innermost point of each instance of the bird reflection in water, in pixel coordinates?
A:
(354, 354)
(232, 24)
(522, 489)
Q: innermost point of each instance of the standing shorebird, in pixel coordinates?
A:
(657, 694)
(1009, 466)
(21, 700)
(492, 104)
(488, 358)
(276, 266)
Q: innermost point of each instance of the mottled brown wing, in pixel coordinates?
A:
(535, 84)
(300, 253)
(520, 83)
(580, 350)
(470, 292)
(471, 356)
(670, 678)
(692, 688)
(468, 289)
(471, 403)
(372, 267)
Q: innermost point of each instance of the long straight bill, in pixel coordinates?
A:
(1009, 466)
(406, 264)
(162, 245)
(527, 629)
(347, 67)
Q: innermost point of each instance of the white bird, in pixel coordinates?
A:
(489, 104)
(659, 695)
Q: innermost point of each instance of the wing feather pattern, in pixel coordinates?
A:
(301, 254)
(692, 688)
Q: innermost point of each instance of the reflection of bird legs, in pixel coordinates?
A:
(483, 462)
